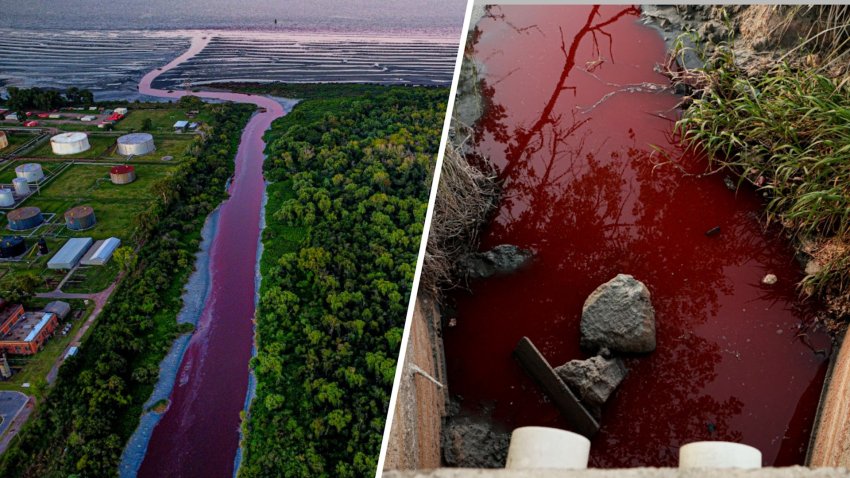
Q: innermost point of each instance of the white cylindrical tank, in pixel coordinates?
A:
(6, 197)
(136, 144)
(547, 448)
(30, 171)
(69, 143)
(718, 454)
(22, 187)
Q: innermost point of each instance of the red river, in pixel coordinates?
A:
(199, 434)
(575, 111)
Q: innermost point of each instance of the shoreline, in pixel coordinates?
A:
(196, 292)
(252, 379)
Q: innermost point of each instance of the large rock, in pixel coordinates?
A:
(618, 315)
(594, 379)
(500, 260)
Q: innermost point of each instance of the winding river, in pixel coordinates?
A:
(199, 433)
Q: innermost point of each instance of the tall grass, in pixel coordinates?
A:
(788, 133)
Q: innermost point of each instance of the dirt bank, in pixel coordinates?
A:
(759, 36)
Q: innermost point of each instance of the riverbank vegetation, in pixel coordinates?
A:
(466, 198)
(82, 425)
(351, 177)
(784, 131)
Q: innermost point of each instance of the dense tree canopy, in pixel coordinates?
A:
(42, 99)
(344, 223)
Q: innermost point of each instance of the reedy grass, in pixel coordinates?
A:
(788, 133)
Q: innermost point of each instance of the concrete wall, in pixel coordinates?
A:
(417, 425)
(791, 472)
(830, 444)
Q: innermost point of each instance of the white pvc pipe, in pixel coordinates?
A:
(718, 454)
(541, 448)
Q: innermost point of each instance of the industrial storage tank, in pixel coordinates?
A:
(122, 174)
(22, 187)
(6, 197)
(24, 218)
(79, 218)
(135, 144)
(4, 141)
(69, 143)
(12, 246)
(32, 172)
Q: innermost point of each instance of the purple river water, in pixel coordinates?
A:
(199, 433)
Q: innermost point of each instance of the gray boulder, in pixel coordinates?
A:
(618, 315)
(594, 379)
(500, 260)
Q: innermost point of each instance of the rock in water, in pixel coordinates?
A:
(619, 315)
(594, 379)
(502, 259)
(471, 443)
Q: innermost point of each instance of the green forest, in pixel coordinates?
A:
(81, 426)
(350, 181)
(20, 99)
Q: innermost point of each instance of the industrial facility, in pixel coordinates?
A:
(12, 246)
(6, 197)
(24, 333)
(25, 218)
(22, 186)
(4, 141)
(80, 218)
(69, 255)
(123, 174)
(136, 144)
(32, 172)
(58, 307)
(100, 253)
(69, 143)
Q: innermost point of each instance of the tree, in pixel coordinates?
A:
(125, 257)
(23, 288)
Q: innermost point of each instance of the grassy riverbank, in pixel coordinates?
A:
(82, 425)
(344, 221)
(783, 130)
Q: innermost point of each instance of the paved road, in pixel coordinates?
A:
(15, 409)
(11, 404)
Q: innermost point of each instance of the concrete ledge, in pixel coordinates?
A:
(790, 472)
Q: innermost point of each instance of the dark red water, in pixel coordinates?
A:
(199, 434)
(585, 191)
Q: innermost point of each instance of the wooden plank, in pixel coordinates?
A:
(568, 404)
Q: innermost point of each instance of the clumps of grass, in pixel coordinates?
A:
(787, 133)
(466, 196)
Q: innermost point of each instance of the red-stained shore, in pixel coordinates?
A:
(199, 434)
(575, 112)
